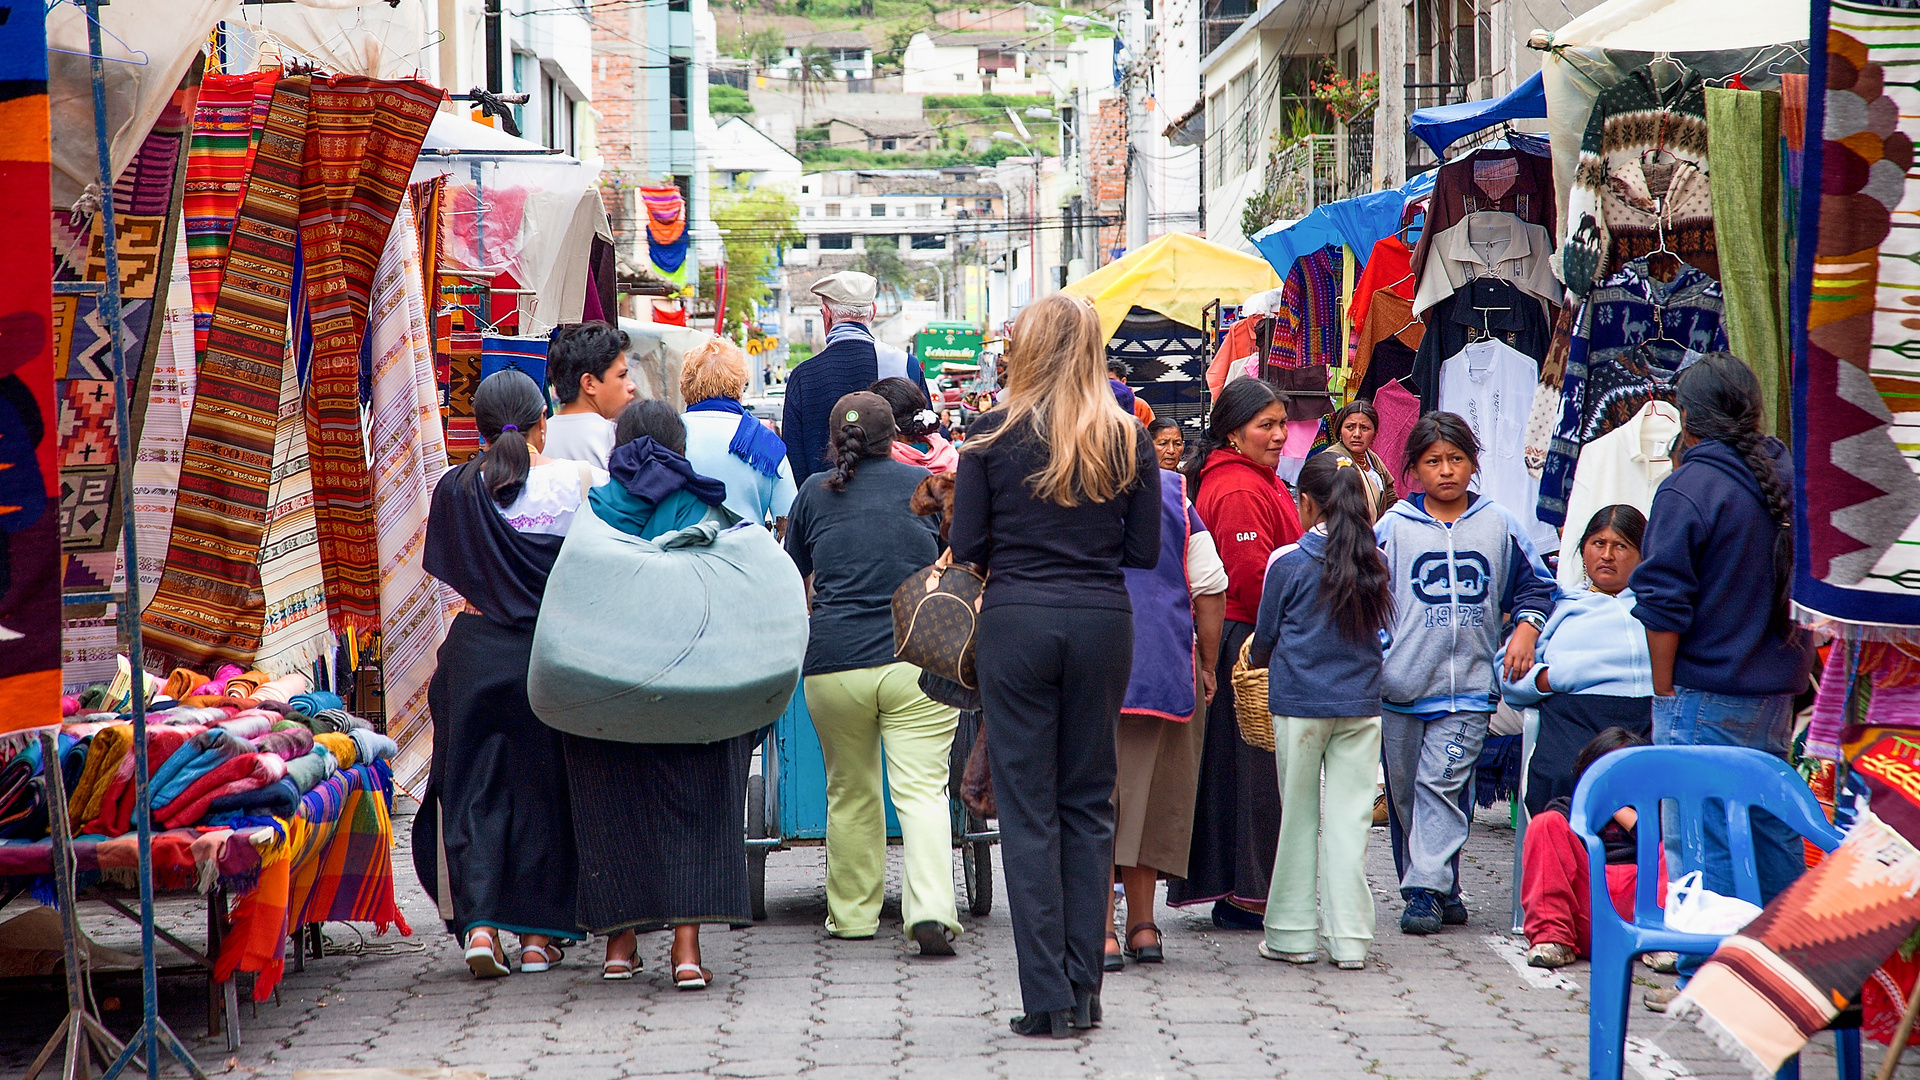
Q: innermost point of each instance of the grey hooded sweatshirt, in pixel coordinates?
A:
(1453, 585)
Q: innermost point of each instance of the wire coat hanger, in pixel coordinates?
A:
(142, 61)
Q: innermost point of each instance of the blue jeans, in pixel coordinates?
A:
(1697, 718)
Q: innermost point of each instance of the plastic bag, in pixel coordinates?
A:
(1694, 909)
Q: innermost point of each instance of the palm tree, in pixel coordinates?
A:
(816, 70)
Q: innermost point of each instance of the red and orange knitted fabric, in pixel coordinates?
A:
(362, 141)
(227, 122)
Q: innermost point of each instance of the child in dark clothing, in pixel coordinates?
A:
(1554, 887)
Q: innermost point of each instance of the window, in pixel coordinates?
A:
(803, 189)
(929, 241)
(887, 144)
(959, 77)
(679, 5)
(983, 205)
(833, 209)
(878, 210)
(899, 211)
(813, 211)
(998, 59)
(923, 210)
(807, 327)
(836, 241)
(677, 111)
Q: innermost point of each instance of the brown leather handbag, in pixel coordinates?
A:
(936, 618)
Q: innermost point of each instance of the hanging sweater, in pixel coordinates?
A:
(1620, 203)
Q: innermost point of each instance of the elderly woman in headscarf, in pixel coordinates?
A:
(729, 444)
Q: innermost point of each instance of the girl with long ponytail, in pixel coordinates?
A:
(1326, 602)
(1727, 658)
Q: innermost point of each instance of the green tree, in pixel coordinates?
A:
(816, 70)
(724, 100)
(890, 272)
(754, 226)
(766, 44)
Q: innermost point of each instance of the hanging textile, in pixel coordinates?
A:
(408, 458)
(1856, 397)
(1390, 266)
(228, 119)
(666, 231)
(156, 464)
(209, 606)
(29, 542)
(363, 137)
(1743, 142)
(1507, 179)
(146, 222)
(457, 324)
(1307, 326)
(523, 354)
(1624, 197)
(293, 630)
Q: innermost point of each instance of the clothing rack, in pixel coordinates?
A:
(82, 1032)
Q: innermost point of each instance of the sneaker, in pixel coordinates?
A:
(1666, 963)
(1551, 954)
(1228, 916)
(1272, 953)
(1422, 913)
(1658, 998)
(1453, 912)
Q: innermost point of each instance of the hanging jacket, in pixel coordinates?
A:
(1249, 511)
(1453, 586)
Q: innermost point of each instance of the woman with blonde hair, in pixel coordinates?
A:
(1058, 488)
(730, 444)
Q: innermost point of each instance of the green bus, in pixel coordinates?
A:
(942, 343)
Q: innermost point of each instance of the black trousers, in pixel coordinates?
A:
(1052, 681)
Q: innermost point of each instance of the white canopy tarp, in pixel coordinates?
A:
(1712, 36)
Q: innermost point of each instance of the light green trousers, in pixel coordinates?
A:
(857, 714)
(1323, 835)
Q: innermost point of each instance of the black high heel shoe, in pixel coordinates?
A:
(1086, 1008)
(1058, 1023)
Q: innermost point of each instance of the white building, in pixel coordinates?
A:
(741, 157)
(965, 62)
(848, 50)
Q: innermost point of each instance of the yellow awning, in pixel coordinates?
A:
(1177, 275)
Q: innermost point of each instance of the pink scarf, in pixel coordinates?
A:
(939, 458)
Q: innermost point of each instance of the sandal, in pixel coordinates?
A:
(484, 956)
(1115, 958)
(691, 977)
(617, 969)
(549, 956)
(1145, 954)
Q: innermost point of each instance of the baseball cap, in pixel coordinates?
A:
(870, 412)
(846, 287)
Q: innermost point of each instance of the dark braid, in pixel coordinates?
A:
(1719, 399)
(848, 448)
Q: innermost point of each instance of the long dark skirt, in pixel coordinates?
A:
(1568, 722)
(661, 832)
(1236, 813)
(496, 814)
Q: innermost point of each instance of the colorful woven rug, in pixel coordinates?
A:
(1856, 391)
(29, 545)
(408, 457)
(293, 622)
(231, 114)
(666, 231)
(364, 137)
(457, 325)
(156, 464)
(209, 607)
(1773, 986)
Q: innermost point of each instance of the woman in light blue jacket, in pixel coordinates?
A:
(1591, 669)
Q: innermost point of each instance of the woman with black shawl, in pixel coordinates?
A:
(493, 841)
(658, 824)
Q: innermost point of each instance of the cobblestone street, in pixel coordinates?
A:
(788, 1001)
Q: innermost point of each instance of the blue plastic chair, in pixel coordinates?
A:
(1642, 777)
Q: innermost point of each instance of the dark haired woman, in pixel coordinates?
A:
(1727, 657)
(1353, 428)
(658, 824)
(493, 841)
(1326, 601)
(852, 532)
(1057, 490)
(1168, 443)
(1249, 511)
(1461, 567)
(917, 440)
(1590, 668)
(1554, 881)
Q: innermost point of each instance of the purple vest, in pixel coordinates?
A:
(1163, 683)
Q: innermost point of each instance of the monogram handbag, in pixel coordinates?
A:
(936, 617)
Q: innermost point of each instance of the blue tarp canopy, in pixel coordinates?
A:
(1357, 223)
(1440, 125)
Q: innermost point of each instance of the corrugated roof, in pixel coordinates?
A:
(831, 39)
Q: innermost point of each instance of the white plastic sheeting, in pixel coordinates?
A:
(1712, 36)
(348, 37)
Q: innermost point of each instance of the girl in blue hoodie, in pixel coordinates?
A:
(1461, 566)
(1325, 605)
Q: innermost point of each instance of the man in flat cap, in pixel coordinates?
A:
(852, 361)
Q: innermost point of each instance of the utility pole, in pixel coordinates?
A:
(1133, 33)
(1390, 117)
(496, 76)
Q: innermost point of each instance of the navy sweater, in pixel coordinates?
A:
(812, 389)
(1314, 671)
(1706, 573)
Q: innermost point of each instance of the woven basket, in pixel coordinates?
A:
(1250, 702)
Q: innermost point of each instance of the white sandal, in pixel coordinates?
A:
(615, 969)
(484, 956)
(549, 956)
(691, 977)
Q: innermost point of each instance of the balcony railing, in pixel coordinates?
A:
(1314, 170)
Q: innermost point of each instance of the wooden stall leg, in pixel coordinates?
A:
(1900, 1035)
